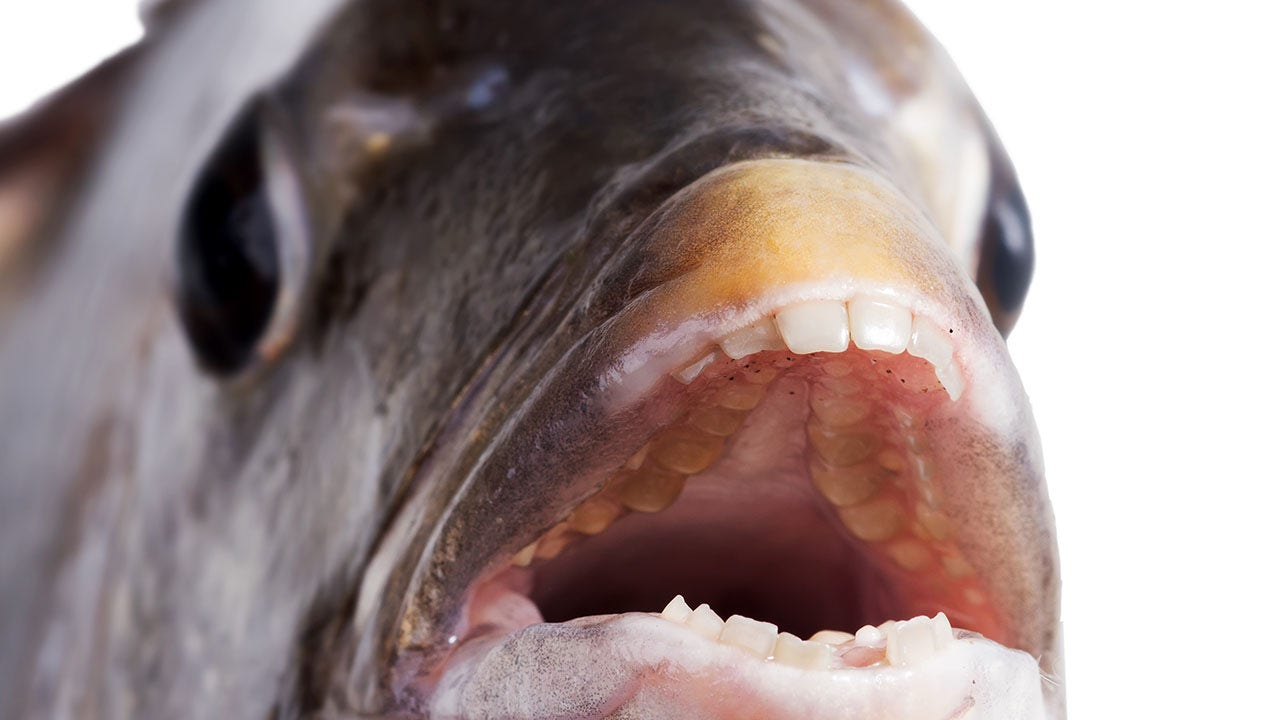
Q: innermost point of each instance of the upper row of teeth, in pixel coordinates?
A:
(904, 642)
(870, 323)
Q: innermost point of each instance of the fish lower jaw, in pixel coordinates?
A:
(638, 665)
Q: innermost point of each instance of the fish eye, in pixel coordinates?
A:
(1006, 258)
(233, 249)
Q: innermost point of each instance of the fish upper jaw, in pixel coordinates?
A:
(797, 373)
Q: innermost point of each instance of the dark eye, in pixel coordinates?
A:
(1007, 256)
(228, 254)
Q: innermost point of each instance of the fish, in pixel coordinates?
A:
(464, 359)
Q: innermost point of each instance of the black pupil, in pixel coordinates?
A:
(228, 264)
(1007, 255)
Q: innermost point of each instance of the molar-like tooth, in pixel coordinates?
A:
(869, 636)
(650, 489)
(835, 410)
(806, 655)
(843, 487)
(756, 337)
(677, 610)
(716, 420)
(892, 460)
(952, 380)
(525, 556)
(705, 622)
(555, 542)
(933, 521)
(910, 642)
(692, 372)
(873, 521)
(594, 515)
(819, 326)
(942, 635)
(928, 341)
(841, 448)
(636, 460)
(909, 554)
(740, 396)
(751, 635)
(879, 325)
(831, 637)
(686, 451)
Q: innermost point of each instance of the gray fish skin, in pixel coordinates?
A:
(481, 191)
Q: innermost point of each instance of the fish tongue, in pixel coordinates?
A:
(646, 666)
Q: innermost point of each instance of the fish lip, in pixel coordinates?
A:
(649, 655)
(586, 395)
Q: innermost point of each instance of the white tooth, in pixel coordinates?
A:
(758, 336)
(525, 556)
(942, 635)
(677, 610)
(878, 325)
(811, 327)
(952, 380)
(928, 341)
(803, 654)
(751, 635)
(909, 642)
(705, 622)
(869, 636)
(692, 372)
(831, 637)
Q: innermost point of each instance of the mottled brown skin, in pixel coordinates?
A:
(179, 545)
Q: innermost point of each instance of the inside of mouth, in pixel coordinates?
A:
(796, 488)
(781, 546)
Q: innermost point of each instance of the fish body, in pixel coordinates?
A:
(402, 358)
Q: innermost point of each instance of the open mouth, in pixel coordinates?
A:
(817, 521)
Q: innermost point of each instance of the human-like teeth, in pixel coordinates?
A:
(803, 654)
(525, 556)
(705, 622)
(692, 372)
(756, 337)
(879, 325)
(875, 520)
(820, 326)
(677, 610)
(952, 380)
(831, 637)
(942, 633)
(753, 636)
(846, 486)
(651, 489)
(913, 641)
(869, 636)
(594, 515)
(686, 451)
(928, 341)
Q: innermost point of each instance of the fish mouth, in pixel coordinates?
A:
(807, 485)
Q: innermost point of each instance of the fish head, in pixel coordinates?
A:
(410, 358)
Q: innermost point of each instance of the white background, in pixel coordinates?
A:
(1146, 138)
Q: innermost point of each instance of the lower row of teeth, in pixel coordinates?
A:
(897, 643)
